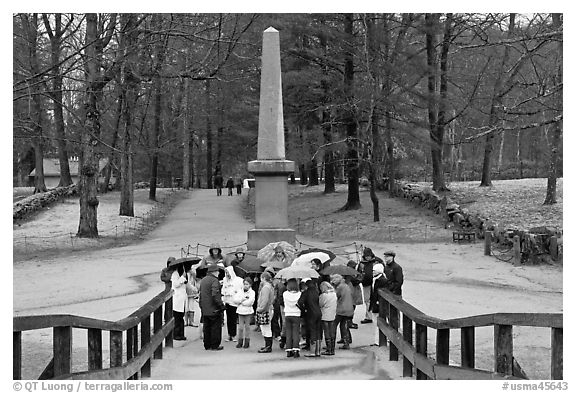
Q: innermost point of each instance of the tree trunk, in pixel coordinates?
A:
(88, 165)
(208, 137)
(556, 127)
(313, 181)
(495, 110)
(328, 157)
(55, 36)
(129, 85)
(187, 177)
(353, 201)
(112, 157)
(154, 133)
(303, 174)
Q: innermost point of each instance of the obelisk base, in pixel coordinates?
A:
(258, 238)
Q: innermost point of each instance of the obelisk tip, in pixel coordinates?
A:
(270, 30)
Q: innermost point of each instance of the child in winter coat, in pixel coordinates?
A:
(245, 311)
(328, 302)
(264, 310)
(292, 318)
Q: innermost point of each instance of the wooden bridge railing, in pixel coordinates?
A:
(146, 323)
(415, 352)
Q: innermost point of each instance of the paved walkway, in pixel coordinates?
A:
(444, 280)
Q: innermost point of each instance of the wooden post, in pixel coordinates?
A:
(157, 328)
(487, 243)
(503, 349)
(421, 346)
(94, 349)
(407, 334)
(129, 344)
(467, 348)
(115, 348)
(145, 332)
(382, 339)
(62, 342)
(135, 347)
(554, 247)
(394, 323)
(517, 252)
(169, 313)
(442, 346)
(557, 364)
(17, 355)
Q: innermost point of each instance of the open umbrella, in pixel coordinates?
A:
(297, 272)
(305, 257)
(186, 260)
(275, 264)
(202, 269)
(251, 263)
(343, 270)
(267, 252)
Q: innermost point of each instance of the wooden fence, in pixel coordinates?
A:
(413, 347)
(145, 330)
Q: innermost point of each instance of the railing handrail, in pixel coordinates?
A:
(551, 320)
(34, 322)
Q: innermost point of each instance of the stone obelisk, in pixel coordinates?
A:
(271, 169)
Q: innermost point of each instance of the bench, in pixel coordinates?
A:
(459, 236)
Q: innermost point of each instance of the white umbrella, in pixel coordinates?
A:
(296, 272)
(267, 252)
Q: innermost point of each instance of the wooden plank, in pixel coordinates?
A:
(517, 260)
(394, 324)
(158, 317)
(62, 349)
(170, 314)
(135, 347)
(554, 247)
(382, 339)
(116, 344)
(131, 367)
(145, 333)
(445, 372)
(17, 355)
(407, 368)
(557, 358)
(467, 347)
(48, 372)
(503, 349)
(421, 347)
(442, 346)
(487, 243)
(94, 349)
(129, 344)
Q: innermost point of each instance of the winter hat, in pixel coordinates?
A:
(336, 279)
(248, 280)
(266, 276)
(170, 260)
(325, 286)
(367, 252)
(239, 250)
(212, 268)
(270, 270)
(351, 264)
(390, 253)
(378, 269)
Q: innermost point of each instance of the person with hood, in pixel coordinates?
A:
(245, 300)
(309, 302)
(378, 282)
(292, 318)
(214, 255)
(230, 186)
(231, 285)
(354, 282)
(344, 309)
(394, 274)
(280, 255)
(328, 302)
(212, 308)
(237, 259)
(179, 300)
(366, 265)
(264, 310)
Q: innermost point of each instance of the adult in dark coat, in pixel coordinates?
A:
(310, 302)
(218, 183)
(166, 278)
(230, 186)
(394, 273)
(212, 309)
(366, 265)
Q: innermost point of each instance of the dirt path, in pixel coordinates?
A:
(442, 279)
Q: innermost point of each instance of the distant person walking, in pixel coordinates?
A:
(230, 186)
(218, 183)
(394, 273)
(238, 184)
(212, 309)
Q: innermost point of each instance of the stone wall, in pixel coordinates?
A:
(34, 203)
(538, 244)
